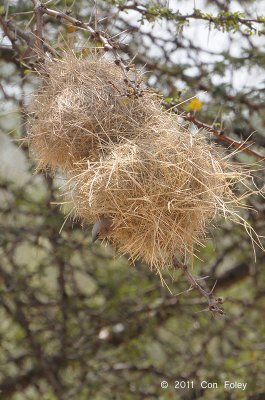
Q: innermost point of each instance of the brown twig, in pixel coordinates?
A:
(176, 16)
(239, 145)
(9, 33)
(39, 25)
(13, 33)
(108, 44)
(213, 302)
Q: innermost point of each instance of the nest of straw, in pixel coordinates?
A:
(82, 106)
(161, 191)
(129, 161)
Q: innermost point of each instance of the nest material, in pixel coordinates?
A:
(83, 106)
(161, 191)
(128, 160)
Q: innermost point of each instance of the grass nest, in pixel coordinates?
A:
(161, 191)
(129, 161)
(82, 106)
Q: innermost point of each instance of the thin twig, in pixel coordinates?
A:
(13, 32)
(213, 302)
(108, 45)
(11, 35)
(176, 16)
(39, 25)
(242, 146)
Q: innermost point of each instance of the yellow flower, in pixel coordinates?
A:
(194, 105)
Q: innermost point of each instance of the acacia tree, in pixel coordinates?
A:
(76, 322)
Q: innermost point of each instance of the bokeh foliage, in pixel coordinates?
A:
(78, 323)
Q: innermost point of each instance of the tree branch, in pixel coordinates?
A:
(242, 146)
(39, 26)
(108, 45)
(213, 302)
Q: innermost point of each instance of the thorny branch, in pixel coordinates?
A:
(213, 302)
(242, 146)
(108, 44)
(228, 19)
(11, 31)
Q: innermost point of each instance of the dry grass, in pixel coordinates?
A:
(129, 161)
(81, 107)
(161, 190)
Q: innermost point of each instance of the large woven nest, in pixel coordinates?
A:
(128, 161)
(81, 107)
(161, 191)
